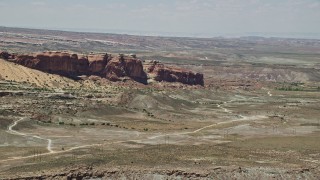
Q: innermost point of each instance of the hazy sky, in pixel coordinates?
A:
(185, 16)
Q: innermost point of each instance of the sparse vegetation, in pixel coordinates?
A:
(289, 88)
(250, 114)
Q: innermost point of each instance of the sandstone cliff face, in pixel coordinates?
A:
(73, 65)
(62, 63)
(29, 61)
(81, 65)
(172, 74)
(120, 67)
(117, 68)
(97, 63)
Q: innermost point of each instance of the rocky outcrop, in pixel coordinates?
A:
(62, 63)
(114, 68)
(121, 67)
(73, 65)
(98, 62)
(5, 55)
(81, 65)
(159, 72)
(227, 172)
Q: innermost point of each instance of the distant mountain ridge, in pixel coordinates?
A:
(34, 40)
(290, 35)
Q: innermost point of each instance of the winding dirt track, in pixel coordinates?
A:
(242, 118)
(49, 145)
(14, 132)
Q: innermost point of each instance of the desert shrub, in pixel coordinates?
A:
(289, 88)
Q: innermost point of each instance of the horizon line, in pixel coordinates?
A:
(282, 35)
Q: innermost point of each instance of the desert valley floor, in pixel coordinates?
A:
(256, 117)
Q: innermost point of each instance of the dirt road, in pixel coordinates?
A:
(14, 132)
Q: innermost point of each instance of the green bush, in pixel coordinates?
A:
(289, 88)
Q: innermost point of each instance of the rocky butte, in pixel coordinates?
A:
(160, 72)
(113, 68)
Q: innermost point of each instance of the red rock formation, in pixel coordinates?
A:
(62, 63)
(82, 65)
(173, 74)
(5, 55)
(120, 67)
(27, 60)
(97, 63)
(113, 68)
